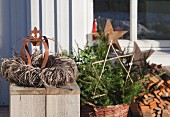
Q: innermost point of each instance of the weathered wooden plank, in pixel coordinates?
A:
(45, 102)
(71, 88)
(17, 90)
(63, 105)
(27, 106)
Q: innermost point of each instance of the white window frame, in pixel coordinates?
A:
(144, 43)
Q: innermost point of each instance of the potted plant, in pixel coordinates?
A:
(113, 88)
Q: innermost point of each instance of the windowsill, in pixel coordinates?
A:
(161, 54)
(160, 57)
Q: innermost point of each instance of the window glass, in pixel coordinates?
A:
(116, 10)
(154, 19)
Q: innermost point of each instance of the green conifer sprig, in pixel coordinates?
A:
(111, 89)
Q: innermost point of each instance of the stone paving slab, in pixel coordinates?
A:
(4, 111)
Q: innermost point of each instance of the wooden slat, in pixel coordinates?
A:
(154, 79)
(27, 106)
(150, 95)
(146, 112)
(165, 113)
(157, 100)
(71, 88)
(63, 105)
(167, 102)
(79, 22)
(153, 105)
(63, 21)
(48, 22)
(166, 95)
(35, 18)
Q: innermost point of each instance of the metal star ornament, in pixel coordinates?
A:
(140, 56)
(113, 35)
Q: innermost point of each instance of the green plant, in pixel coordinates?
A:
(112, 89)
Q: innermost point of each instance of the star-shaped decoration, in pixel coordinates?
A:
(140, 56)
(110, 59)
(113, 35)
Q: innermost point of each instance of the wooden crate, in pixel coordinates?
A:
(42, 102)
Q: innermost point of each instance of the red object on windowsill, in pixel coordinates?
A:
(94, 30)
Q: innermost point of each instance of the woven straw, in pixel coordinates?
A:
(110, 111)
(59, 71)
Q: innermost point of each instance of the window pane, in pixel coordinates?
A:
(116, 10)
(154, 19)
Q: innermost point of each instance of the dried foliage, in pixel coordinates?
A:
(59, 71)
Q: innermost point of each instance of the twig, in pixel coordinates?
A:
(112, 58)
(131, 63)
(121, 63)
(103, 67)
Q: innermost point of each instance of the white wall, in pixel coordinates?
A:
(66, 21)
(82, 21)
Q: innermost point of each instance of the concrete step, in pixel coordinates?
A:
(4, 111)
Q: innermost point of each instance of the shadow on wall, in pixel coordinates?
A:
(5, 45)
(14, 24)
(5, 29)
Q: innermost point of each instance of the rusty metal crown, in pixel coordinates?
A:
(36, 41)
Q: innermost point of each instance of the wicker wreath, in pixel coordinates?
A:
(59, 70)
